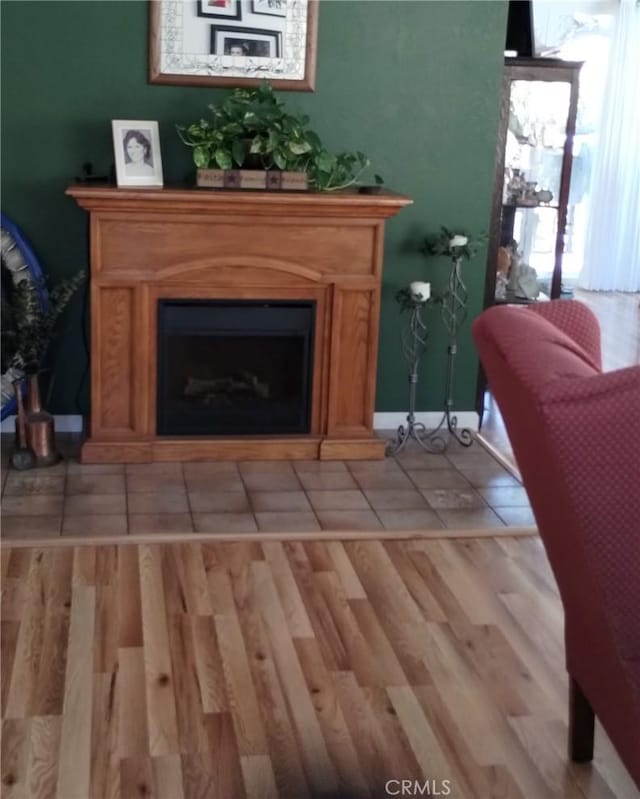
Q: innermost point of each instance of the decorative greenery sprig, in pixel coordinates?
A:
(454, 245)
(30, 329)
(255, 122)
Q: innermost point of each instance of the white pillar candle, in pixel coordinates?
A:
(421, 291)
(458, 241)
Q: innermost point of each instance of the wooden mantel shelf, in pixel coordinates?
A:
(164, 243)
(261, 203)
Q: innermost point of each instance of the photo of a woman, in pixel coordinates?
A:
(138, 154)
(136, 145)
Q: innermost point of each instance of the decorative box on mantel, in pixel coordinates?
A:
(233, 325)
(267, 179)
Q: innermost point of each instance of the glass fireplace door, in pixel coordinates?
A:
(234, 367)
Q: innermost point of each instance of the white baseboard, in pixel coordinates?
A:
(64, 423)
(387, 420)
(430, 419)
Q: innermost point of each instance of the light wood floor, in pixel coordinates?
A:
(197, 671)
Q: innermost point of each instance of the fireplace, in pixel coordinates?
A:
(234, 367)
(233, 325)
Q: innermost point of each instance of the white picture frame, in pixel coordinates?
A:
(184, 50)
(136, 146)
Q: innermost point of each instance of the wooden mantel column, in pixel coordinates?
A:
(151, 244)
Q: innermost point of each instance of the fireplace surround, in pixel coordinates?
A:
(159, 249)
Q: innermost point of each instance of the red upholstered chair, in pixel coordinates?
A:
(575, 433)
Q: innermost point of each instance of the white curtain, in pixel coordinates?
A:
(612, 250)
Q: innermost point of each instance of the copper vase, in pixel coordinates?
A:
(40, 429)
(22, 456)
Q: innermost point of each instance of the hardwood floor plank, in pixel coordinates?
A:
(365, 732)
(5, 554)
(414, 581)
(15, 759)
(44, 747)
(47, 697)
(424, 743)
(281, 736)
(26, 664)
(105, 755)
(160, 695)
(20, 562)
(106, 564)
(14, 596)
(259, 781)
(344, 569)
(297, 619)
(168, 779)
(224, 757)
(129, 601)
(133, 732)
(213, 695)
(337, 735)
(84, 566)
(399, 615)
(399, 755)
(467, 776)
(107, 634)
(324, 630)
(185, 580)
(75, 739)
(58, 581)
(316, 760)
(362, 660)
(386, 659)
(189, 713)
(8, 639)
(241, 691)
(137, 778)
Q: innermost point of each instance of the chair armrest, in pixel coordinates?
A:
(577, 321)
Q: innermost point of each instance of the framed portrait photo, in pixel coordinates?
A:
(136, 146)
(245, 42)
(228, 43)
(271, 8)
(219, 9)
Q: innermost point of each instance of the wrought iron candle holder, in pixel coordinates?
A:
(454, 312)
(414, 343)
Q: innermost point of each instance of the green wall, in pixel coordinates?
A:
(412, 84)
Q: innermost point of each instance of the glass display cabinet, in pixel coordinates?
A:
(533, 171)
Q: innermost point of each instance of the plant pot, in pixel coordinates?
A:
(40, 427)
(265, 179)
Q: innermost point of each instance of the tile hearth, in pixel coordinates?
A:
(461, 489)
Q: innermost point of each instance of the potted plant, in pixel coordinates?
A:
(29, 319)
(252, 128)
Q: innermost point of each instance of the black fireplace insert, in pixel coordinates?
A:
(234, 367)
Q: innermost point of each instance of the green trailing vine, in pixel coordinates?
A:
(252, 128)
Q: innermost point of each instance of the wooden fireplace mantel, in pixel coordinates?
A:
(151, 244)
